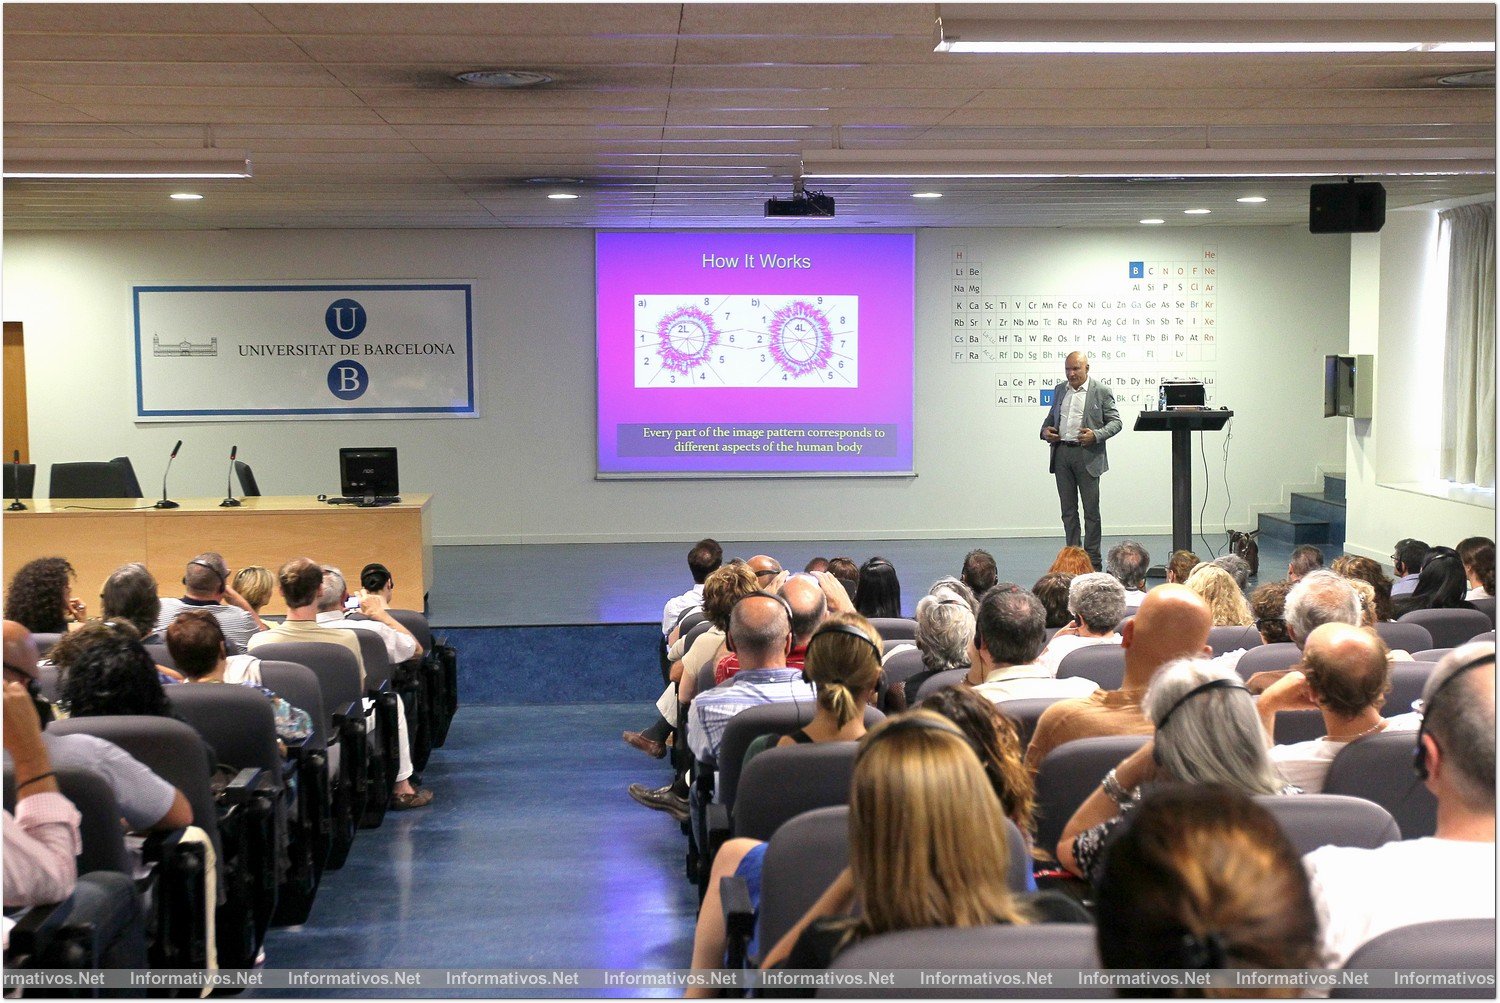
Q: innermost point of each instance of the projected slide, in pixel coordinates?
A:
(773, 353)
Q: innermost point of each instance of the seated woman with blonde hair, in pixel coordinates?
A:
(1217, 588)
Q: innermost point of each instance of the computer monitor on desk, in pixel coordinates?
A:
(369, 473)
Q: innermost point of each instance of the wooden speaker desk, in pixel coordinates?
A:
(97, 535)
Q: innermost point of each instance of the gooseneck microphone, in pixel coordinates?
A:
(230, 501)
(15, 483)
(165, 503)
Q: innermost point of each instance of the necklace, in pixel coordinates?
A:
(1377, 726)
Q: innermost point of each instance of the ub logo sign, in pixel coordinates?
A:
(299, 350)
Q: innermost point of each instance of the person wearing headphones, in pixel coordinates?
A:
(206, 584)
(1361, 894)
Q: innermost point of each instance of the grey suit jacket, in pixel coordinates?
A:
(1099, 414)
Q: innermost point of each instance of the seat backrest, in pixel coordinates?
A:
(1293, 726)
(416, 623)
(1378, 768)
(1040, 945)
(237, 721)
(161, 655)
(45, 643)
(127, 474)
(1068, 775)
(1488, 637)
(753, 722)
(1485, 605)
(1449, 627)
(170, 748)
(940, 681)
(1268, 658)
(705, 677)
(902, 666)
(248, 487)
(1314, 820)
(1405, 635)
(1448, 944)
(298, 686)
(49, 682)
(1025, 713)
(99, 829)
(377, 659)
(688, 619)
(337, 672)
(782, 783)
(90, 479)
(1223, 639)
(691, 636)
(20, 480)
(1103, 663)
(895, 628)
(1430, 655)
(802, 859)
(1407, 680)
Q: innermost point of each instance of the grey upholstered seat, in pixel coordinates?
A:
(1430, 655)
(1314, 820)
(1268, 658)
(1407, 680)
(1443, 945)
(895, 628)
(1224, 639)
(1293, 726)
(1067, 776)
(940, 681)
(1378, 768)
(782, 783)
(1025, 713)
(1449, 627)
(902, 666)
(1405, 635)
(1103, 663)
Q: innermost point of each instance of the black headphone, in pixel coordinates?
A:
(839, 628)
(1419, 757)
(759, 594)
(916, 723)
(1212, 684)
(204, 564)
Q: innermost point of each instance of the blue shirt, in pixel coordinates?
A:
(710, 712)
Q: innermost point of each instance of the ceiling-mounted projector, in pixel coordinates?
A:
(801, 204)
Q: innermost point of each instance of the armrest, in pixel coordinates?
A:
(245, 785)
(739, 920)
(719, 825)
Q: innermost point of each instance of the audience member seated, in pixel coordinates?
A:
(1202, 877)
(1052, 589)
(205, 582)
(1172, 623)
(1305, 560)
(847, 572)
(1366, 592)
(1408, 556)
(703, 560)
(1365, 569)
(255, 585)
(1268, 606)
(41, 597)
(1321, 597)
(41, 838)
(1237, 568)
(879, 592)
(809, 606)
(816, 564)
(980, 572)
(1346, 675)
(130, 593)
(1071, 561)
(927, 847)
(1225, 600)
(766, 570)
(1180, 565)
(1128, 561)
(1441, 584)
(1478, 556)
(1361, 894)
(112, 674)
(843, 662)
(1207, 732)
(197, 645)
(400, 644)
(1004, 650)
(1096, 605)
(945, 626)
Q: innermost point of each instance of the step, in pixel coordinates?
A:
(1320, 506)
(1294, 529)
(1333, 487)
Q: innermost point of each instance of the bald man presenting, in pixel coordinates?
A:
(1082, 416)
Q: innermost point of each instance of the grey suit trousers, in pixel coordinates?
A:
(1074, 482)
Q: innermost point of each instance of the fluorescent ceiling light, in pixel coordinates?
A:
(1196, 212)
(559, 196)
(185, 196)
(116, 165)
(1153, 222)
(1251, 199)
(1173, 36)
(926, 195)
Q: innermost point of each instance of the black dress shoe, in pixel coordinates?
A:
(661, 799)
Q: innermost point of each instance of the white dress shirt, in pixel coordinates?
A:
(1070, 415)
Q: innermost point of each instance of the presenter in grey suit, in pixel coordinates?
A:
(1082, 416)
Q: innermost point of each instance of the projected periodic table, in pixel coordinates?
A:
(1148, 322)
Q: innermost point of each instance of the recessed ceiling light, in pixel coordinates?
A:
(926, 195)
(503, 78)
(1251, 199)
(186, 196)
(1197, 212)
(562, 195)
(1153, 222)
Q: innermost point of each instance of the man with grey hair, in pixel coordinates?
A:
(945, 629)
(1009, 633)
(1456, 750)
(1237, 568)
(1128, 563)
(1320, 597)
(1097, 602)
(1305, 560)
(206, 586)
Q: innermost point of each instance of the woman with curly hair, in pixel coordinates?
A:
(113, 674)
(41, 599)
(1215, 587)
(1366, 570)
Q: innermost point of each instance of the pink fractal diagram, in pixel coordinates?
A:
(685, 337)
(801, 340)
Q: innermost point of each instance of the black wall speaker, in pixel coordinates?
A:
(1347, 207)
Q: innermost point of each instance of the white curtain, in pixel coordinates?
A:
(1468, 439)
